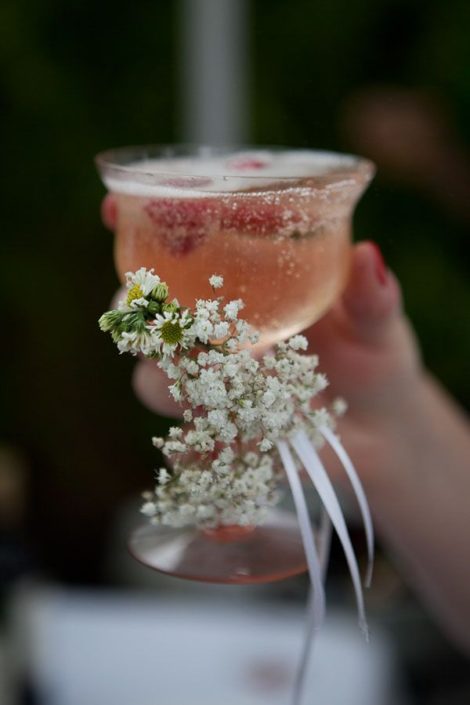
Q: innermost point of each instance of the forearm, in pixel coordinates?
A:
(421, 503)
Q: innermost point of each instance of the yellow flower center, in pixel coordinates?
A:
(171, 332)
(135, 292)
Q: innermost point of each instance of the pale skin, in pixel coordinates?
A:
(408, 439)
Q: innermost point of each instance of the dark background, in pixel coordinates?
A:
(387, 79)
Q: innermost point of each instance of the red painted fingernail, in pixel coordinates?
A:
(380, 266)
(109, 212)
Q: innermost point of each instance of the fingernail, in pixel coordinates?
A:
(379, 263)
(109, 212)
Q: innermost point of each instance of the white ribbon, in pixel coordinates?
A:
(324, 541)
(360, 496)
(322, 483)
(332, 514)
(308, 538)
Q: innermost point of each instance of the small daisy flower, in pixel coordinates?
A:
(139, 285)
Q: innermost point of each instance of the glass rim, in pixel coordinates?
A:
(116, 161)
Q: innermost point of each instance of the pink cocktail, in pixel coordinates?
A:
(276, 224)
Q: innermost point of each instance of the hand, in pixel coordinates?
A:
(369, 353)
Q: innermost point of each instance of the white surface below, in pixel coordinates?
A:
(87, 649)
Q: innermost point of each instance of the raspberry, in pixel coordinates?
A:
(182, 224)
(256, 216)
(247, 163)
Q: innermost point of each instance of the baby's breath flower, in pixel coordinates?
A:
(232, 345)
(202, 359)
(216, 281)
(175, 432)
(233, 308)
(149, 509)
(320, 383)
(339, 406)
(227, 455)
(321, 417)
(163, 476)
(203, 329)
(221, 330)
(224, 464)
(298, 342)
(269, 362)
(265, 445)
(175, 391)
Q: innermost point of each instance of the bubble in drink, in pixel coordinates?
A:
(275, 225)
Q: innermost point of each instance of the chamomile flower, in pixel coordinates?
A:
(139, 286)
(172, 329)
(143, 278)
(136, 342)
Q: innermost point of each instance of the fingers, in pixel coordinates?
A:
(367, 312)
(372, 301)
(150, 385)
(109, 211)
(365, 344)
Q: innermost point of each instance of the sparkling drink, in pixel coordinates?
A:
(275, 224)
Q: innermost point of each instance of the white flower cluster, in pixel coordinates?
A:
(224, 462)
(230, 490)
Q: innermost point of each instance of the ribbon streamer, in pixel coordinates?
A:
(360, 496)
(322, 483)
(308, 538)
(324, 541)
(331, 515)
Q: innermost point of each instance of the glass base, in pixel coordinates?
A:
(231, 555)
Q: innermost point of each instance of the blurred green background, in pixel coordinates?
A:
(389, 79)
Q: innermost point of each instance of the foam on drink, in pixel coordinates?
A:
(218, 174)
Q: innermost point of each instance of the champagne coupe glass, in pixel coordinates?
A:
(276, 224)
